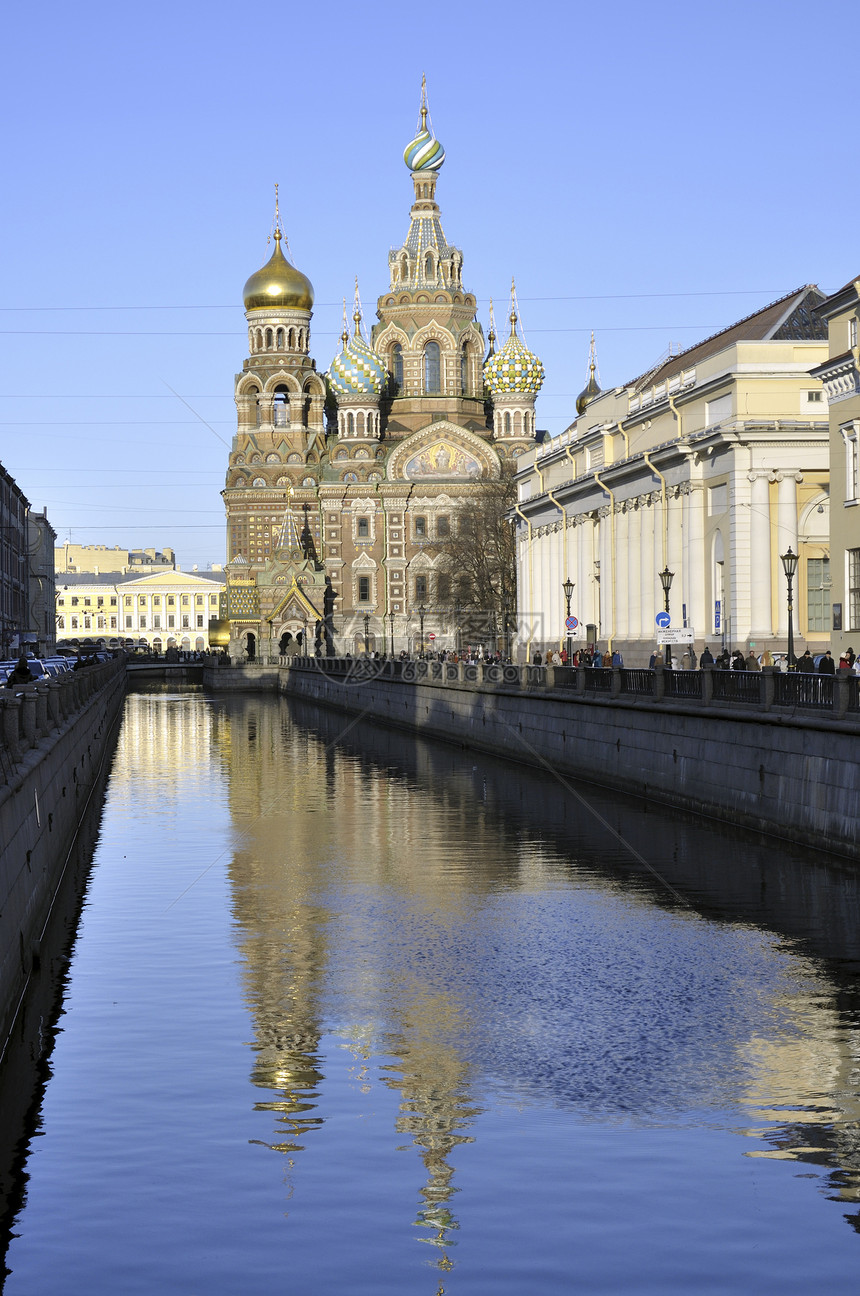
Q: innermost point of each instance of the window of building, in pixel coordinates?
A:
(113, 601)
(213, 598)
(113, 623)
(74, 602)
(156, 622)
(363, 528)
(420, 527)
(142, 600)
(464, 369)
(171, 621)
(142, 623)
(420, 589)
(100, 602)
(364, 589)
(443, 588)
(128, 623)
(128, 600)
(61, 623)
(199, 600)
(443, 527)
(432, 367)
(852, 332)
(170, 600)
(87, 602)
(280, 407)
(854, 589)
(814, 397)
(185, 622)
(817, 594)
(185, 600)
(199, 622)
(397, 365)
(75, 622)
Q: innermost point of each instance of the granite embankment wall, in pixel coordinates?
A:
(786, 769)
(56, 740)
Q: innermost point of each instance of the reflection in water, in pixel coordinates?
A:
(470, 1018)
(369, 882)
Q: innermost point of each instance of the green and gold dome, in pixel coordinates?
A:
(514, 369)
(279, 285)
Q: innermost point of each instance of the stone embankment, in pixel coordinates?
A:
(774, 753)
(56, 739)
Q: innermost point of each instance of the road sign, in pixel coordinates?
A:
(571, 622)
(431, 636)
(663, 620)
(680, 635)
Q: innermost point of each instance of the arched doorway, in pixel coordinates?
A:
(251, 646)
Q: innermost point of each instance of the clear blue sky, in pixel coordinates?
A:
(650, 171)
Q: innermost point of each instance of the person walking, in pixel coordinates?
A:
(806, 664)
(707, 658)
(827, 666)
(21, 674)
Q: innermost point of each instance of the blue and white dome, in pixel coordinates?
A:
(357, 370)
(514, 368)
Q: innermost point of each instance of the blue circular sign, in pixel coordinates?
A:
(571, 622)
(663, 620)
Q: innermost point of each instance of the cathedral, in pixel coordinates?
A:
(343, 488)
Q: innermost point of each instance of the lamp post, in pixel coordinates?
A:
(568, 587)
(367, 634)
(789, 566)
(457, 644)
(666, 578)
(422, 612)
(391, 627)
(505, 643)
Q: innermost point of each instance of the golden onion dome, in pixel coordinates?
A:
(279, 285)
(588, 392)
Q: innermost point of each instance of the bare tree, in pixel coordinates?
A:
(479, 556)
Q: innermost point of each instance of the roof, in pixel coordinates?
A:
(169, 578)
(793, 317)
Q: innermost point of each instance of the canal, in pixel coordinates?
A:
(347, 1012)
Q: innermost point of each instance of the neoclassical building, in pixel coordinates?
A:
(342, 488)
(712, 465)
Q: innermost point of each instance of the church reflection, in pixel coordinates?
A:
(324, 825)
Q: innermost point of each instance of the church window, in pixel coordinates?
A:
(350, 424)
(359, 423)
(364, 589)
(432, 367)
(518, 422)
(508, 421)
(443, 527)
(363, 528)
(397, 365)
(464, 369)
(420, 527)
(268, 339)
(279, 339)
(280, 406)
(428, 266)
(443, 588)
(420, 589)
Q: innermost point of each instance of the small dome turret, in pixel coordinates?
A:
(357, 370)
(514, 368)
(424, 152)
(592, 387)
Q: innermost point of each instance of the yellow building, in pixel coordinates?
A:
(840, 375)
(163, 610)
(710, 466)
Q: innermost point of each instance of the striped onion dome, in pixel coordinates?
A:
(514, 368)
(357, 370)
(424, 152)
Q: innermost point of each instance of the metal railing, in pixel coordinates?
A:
(766, 690)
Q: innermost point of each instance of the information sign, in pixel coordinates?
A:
(663, 620)
(680, 635)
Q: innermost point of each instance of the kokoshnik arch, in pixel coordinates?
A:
(341, 486)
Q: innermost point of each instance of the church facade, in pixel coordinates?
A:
(343, 488)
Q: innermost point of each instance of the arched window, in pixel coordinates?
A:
(508, 421)
(280, 406)
(268, 339)
(291, 340)
(359, 423)
(518, 423)
(428, 265)
(397, 365)
(350, 424)
(279, 340)
(253, 393)
(432, 367)
(259, 339)
(464, 369)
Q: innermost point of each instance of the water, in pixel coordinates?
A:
(348, 1013)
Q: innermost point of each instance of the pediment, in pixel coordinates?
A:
(443, 452)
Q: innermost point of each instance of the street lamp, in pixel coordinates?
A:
(789, 566)
(666, 578)
(505, 643)
(568, 587)
(391, 625)
(367, 634)
(422, 612)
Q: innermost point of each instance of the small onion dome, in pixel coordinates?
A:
(588, 392)
(358, 370)
(279, 285)
(424, 153)
(514, 368)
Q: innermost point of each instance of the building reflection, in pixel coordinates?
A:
(324, 824)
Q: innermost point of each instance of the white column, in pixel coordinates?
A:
(786, 530)
(695, 567)
(621, 558)
(760, 560)
(646, 572)
(677, 596)
(634, 582)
